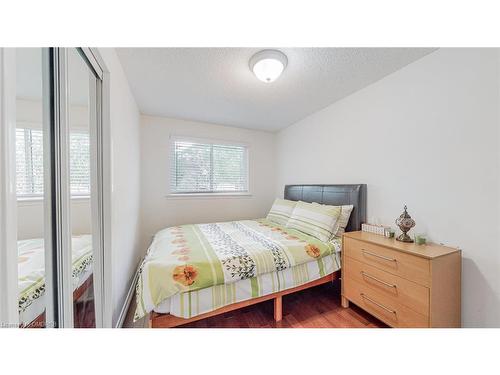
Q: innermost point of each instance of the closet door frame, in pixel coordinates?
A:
(104, 313)
(8, 201)
(101, 134)
(103, 187)
(62, 299)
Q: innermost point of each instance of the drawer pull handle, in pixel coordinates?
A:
(377, 304)
(364, 274)
(379, 256)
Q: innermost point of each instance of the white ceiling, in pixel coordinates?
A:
(216, 85)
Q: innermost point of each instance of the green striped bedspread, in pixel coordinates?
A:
(31, 266)
(190, 304)
(193, 257)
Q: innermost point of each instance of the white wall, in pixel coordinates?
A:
(426, 136)
(159, 211)
(125, 177)
(30, 218)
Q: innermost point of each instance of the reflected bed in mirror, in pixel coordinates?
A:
(31, 277)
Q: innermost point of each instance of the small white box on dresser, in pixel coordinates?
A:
(372, 228)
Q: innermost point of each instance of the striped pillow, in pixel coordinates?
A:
(280, 211)
(315, 220)
(345, 214)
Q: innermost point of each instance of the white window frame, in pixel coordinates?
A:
(183, 195)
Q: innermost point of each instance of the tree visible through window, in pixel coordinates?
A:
(208, 167)
(29, 163)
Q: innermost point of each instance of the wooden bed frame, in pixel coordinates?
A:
(157, 320)
(324, 194)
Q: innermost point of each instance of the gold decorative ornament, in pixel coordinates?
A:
(405, 223)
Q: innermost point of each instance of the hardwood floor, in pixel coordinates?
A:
(318, 307)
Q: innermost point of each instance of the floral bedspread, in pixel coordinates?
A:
(192, 257)
(31, 266)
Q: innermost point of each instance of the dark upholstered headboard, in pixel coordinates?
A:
(335, 195)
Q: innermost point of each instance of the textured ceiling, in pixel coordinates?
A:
(215, 84)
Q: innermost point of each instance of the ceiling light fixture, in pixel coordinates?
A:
(267, 65)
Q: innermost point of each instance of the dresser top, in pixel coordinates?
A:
(428, 251)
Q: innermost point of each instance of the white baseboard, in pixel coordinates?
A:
(130, 295)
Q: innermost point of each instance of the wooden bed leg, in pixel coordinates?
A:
(150, 320)
(278, 308)
(344, 302)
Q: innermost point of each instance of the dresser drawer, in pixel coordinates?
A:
(402, 291)
(383, 307)
(398, 263)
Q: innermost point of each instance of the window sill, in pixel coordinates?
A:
(209, 196)
(27, 201)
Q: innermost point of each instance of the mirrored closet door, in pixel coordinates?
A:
(59, 188)
(82, 123)
(32, 160)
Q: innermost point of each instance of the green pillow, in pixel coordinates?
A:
(345, 214)
(280, 211)
(314, 219)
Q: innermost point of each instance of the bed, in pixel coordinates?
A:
(31, 277)
(256, 260)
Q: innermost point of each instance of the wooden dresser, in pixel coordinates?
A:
(402, 284)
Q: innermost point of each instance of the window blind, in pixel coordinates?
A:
(79, 163)
(29, 163)
(208, 167)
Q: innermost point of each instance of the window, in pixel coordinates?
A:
(200, 166)
(29, 163)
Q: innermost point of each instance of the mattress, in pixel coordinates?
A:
(31, 273)
(190, 304)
